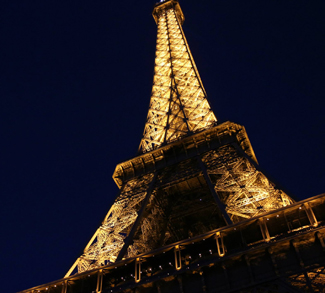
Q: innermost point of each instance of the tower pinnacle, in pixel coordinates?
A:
(178, 105)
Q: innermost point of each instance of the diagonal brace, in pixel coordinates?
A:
(220, 205)
(129, 238)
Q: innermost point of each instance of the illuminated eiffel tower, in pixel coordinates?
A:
(194, 212)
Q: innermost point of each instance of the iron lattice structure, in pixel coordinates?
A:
(178, 104)
(205, 181)
(159, 205)
(194, 212)
(280, 251)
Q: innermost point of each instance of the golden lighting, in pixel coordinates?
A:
(178, 104)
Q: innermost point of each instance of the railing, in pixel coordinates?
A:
(300, 218)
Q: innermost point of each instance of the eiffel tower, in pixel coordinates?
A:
(194, 212)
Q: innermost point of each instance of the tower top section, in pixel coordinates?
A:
(165, 5)
(178, 105)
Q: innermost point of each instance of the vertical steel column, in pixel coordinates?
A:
(137, 270)
(99, 281)
(310, 214)
(264, 229)
(64, 287)
(178, 257)
(220, 244)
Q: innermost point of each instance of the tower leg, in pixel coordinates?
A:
(214, 193)
(128, 240)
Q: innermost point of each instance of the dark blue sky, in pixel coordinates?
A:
(75, 86)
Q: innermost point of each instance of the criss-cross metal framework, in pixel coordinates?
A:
(178, 104)
(245, 191)
(106, 243)
(194, 212)
(193, 175)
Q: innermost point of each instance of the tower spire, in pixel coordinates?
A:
(178, 105)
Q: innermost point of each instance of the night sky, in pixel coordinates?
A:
(75, 82)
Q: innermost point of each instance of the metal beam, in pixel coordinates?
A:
(220, 205)
(129, 238)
